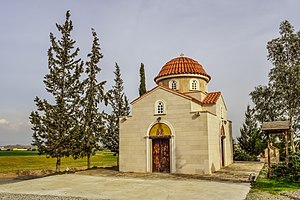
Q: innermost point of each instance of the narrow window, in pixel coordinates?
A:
(194, 85)
(159, 107)
(173, 84)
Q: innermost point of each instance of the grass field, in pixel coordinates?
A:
(18, 153)
(16, 161)
(272, 186)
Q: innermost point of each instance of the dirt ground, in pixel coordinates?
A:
(22, 175)
(236, 172)
(70, 186)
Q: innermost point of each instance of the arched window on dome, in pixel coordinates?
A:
(174, 84)
(194, 84)
(160, 107)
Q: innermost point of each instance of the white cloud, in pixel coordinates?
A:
(10, 125)
(4, 121)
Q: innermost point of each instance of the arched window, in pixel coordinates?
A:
(160, 107)
(173, 84)
(194, 84)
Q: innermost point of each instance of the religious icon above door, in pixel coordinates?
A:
(160, 130)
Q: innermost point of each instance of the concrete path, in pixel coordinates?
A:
(97, 187)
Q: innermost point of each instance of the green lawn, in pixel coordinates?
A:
(16, 161)
(272, 186)
(18, 153)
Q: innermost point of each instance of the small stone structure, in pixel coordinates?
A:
(274, 154)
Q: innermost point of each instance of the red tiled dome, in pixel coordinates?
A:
(181, 65)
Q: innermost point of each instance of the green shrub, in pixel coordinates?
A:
(241, 155)
(288, 173)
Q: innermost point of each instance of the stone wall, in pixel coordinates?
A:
(195, 140)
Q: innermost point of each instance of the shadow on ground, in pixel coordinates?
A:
(236, 172)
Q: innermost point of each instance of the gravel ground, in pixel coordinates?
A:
(237, 172)
(9, 196)
(290, 195)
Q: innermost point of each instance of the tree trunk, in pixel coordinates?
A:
(269, 158)
(117, 158)
(89, 161)
(293, 150)
(57, 164)
(286, 148)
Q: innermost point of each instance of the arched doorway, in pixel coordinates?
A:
(222, 146)
(160, 136)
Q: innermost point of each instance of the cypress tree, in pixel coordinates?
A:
(142, 88)
(91, 121)
(53, 123)
(251, 139)
(120, 107)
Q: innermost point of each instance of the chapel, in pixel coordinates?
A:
(178, 126)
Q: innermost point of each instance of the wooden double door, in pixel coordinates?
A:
(161, 155)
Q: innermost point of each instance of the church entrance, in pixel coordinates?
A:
(161, 155)
(160, 148)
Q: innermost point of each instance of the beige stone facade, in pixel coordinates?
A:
(193, 134)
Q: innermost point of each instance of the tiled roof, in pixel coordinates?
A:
(211, 98)
(182, 65)
(146, 94)
(168, 89)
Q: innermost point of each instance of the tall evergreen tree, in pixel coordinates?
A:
(251, 139)
(53, 123)
(91, 120)
(120, 107)
(142, 88)
(279, 100)
(284, 54)
(266, 106)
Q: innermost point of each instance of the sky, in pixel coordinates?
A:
(228, 38)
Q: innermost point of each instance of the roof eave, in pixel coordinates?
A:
(207, 78)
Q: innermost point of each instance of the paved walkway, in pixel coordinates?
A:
(229, 183)
(93, 187)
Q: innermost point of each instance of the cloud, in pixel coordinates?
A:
(10, 125)
(14, 132)
(4, 121)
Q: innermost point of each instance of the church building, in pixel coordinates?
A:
(178, 126)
